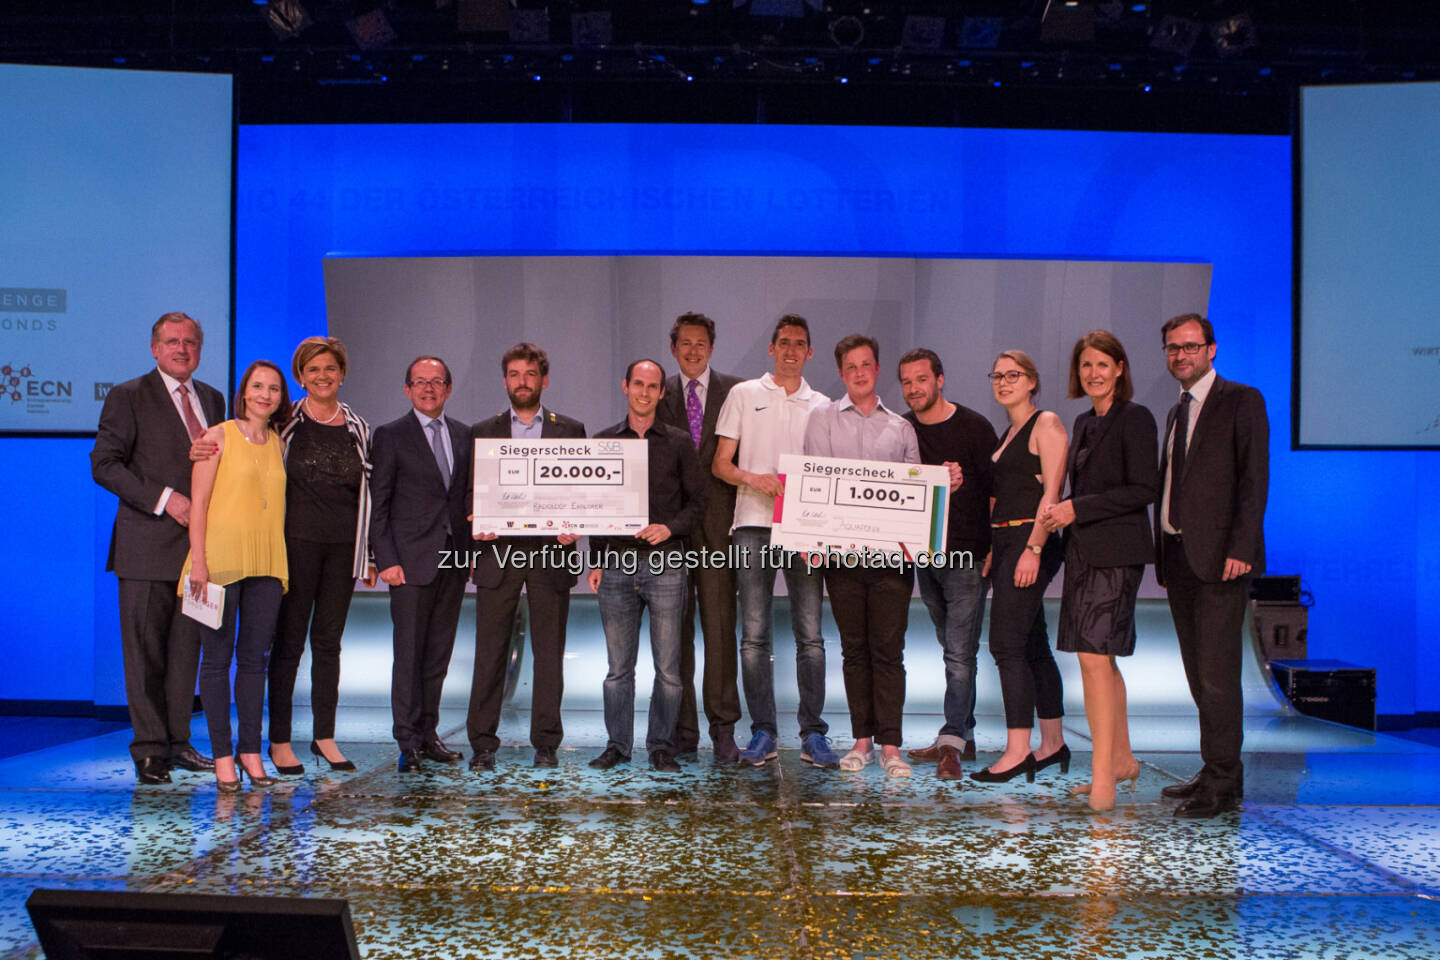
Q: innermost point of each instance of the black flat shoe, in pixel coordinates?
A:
(1061, 756)
(334, 764)
(1026, 766)
(285, 770)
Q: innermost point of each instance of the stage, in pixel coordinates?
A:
(1332, 856)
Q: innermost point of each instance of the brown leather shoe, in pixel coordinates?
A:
(969, 752)
(928, 754)
(948, 767)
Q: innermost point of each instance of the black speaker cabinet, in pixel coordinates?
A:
(1280, 630)
(1329, 689)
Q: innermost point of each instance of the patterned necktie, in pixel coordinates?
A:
(437, 446)
(192, 422)
(693, 412)
(1177, 458)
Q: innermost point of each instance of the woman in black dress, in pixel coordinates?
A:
(1113, 481)
(1028, 474)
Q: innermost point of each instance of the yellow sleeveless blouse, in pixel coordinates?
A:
(245, 526)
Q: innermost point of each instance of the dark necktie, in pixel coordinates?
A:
(1177, 459)
(192, 422)
(693, 411)
(437, 446)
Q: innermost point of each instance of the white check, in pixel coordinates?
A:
(835, 504)
(543, 488)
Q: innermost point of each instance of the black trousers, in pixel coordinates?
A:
(1019, 641)
(1209, 622)
(495, 608)
(871, 609)
(424, 619)
(322, 581)
(160, 650)
(255, 603)
(713, 592)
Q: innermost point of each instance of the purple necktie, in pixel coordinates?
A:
(693, 412)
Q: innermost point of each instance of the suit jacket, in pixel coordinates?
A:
(1226, 482)
(413, 517)
(1112, 485)
(486, 570)
(142, 447)
(714, 529)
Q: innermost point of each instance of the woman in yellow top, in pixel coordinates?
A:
(237, 540)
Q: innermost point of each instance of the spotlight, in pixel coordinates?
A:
(371, 29)
(922, 33)
(847, 32)
(1234, 35)
(1176, 35)
(287, 18)
(981, 32)
(591, 29)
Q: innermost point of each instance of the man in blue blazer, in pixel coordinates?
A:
(417, 521)
(141, 455)
(1215, 476)
(545, 578)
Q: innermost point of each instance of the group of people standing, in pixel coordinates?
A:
(289, 504)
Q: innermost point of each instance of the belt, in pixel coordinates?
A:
(1012, 523)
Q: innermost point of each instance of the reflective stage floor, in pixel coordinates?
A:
(1332, 856)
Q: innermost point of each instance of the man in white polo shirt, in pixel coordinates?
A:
(763, 419)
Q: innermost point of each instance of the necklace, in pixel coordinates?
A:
(263, 473)
(310, 409)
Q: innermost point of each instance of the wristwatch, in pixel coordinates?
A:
(1034, 548)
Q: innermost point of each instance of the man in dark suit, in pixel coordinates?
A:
(1215, 475)
(417, 522)
(141, 455)
(545, 575)
(692, 402)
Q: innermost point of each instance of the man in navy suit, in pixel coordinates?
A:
(1215, 476)
(141, 455)
(545, 576)
(692, 402)
(417, 520)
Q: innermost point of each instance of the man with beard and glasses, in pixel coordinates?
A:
(957, 437)
(530, 564)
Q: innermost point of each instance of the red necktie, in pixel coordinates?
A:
(192, 422)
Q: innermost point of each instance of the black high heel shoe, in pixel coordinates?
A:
(241, 773)
(1061, 756)
(1026, 766)
(334, 765)
(287, 770)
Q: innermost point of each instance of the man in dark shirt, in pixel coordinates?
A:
(640, 574)
(961, 439)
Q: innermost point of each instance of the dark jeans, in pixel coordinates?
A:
(623, 598)
(322, 580)
(549, 606)
(871, 608)
(255, 602)
(1209, 619)
(756, 582)
(425, 618)
(160, 651)
(1019, 641)
(955, 597)
(712, 591)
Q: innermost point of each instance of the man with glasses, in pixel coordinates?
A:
(1215, 470)
(141, 455)
(418, 486)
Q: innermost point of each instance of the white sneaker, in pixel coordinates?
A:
(855, 759)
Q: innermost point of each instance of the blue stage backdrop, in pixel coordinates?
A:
(305, 192)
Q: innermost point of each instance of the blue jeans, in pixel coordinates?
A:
(955, 597)
(623, 597)
(756, 583)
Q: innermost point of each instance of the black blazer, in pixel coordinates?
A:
(413, 517)
(1226, 482)
(714, 529)
(1112, 484)
(486, 570)
(142, 447)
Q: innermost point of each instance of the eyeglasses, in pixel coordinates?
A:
(175, 342)
(1009, 376)
(436, 383)
(1189, 349)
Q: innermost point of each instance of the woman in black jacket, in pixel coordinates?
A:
(1113, 481)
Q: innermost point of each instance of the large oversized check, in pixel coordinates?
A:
(542, 488)
(838, 505)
